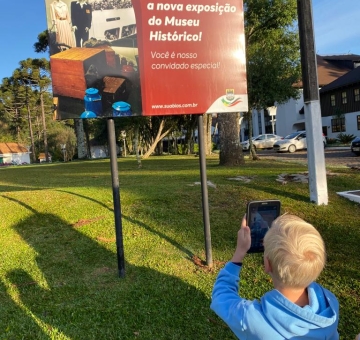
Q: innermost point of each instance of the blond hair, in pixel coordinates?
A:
(296, 251)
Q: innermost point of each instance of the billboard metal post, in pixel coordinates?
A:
(204, 192)
(116, 197)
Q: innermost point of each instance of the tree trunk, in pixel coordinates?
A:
(80, 137)
(207, 133)
(216, 129)
(87, 138)
(136, 146)
(46, 148)
(158, 138)
(190, 135)
(31, 135)
(252, 151)
(17, 125)
(191, 144)
(230, 149)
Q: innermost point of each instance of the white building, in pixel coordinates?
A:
(14, 153)
(290, 116)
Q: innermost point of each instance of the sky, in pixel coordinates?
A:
(336, 27)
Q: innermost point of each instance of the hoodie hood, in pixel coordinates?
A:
(315, 321)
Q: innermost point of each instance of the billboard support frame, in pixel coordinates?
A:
(204, 192)
(116, 197)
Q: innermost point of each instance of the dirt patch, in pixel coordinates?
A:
(298, 178)
(106, 240)
(202, 264)
(83, 222)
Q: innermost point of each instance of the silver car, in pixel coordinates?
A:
(265, 141)
(294, 141)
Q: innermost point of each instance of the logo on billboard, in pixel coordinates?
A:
(230, 98)
(230, 94)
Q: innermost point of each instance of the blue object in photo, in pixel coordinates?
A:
(121, 109)
(88, 114)
(93, 101)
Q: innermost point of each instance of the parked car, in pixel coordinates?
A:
(294, 141)
(355, 146)
(265, 141)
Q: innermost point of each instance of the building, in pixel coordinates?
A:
(14, 153)
(42, 157)
(340, 105)
(290, 116)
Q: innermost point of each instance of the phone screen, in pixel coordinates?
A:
(260, 216)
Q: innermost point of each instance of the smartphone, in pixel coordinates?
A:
(259, 216)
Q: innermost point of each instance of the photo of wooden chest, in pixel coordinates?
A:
(114, 90)
(76, 69)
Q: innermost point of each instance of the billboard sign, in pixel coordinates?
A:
(126, 58)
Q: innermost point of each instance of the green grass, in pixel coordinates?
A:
(59, 276)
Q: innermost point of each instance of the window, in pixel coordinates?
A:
(357, 95)
(338, 125)
(343, 97)
(332, 99)
(358, 122)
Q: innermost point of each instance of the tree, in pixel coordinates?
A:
(43, 42)
(158, 128)
(186, 126)
(273, 66)
(12, 108)
(34, 75)
(5, 135)
(230, 148)
(62, 135)
(18, 102)
(26, 103)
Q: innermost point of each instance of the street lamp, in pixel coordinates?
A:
(123, 136)
(272, 113)
(63, 149)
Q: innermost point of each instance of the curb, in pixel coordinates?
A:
(337, 147)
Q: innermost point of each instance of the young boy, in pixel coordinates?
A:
(298, 308)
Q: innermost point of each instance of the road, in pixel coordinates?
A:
(333, 156)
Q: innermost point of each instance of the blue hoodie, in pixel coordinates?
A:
(274, 317)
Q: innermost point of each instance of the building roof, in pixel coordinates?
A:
(6, 148)
(329, 70)
(343, 57)
(350, 78)
(42, 155)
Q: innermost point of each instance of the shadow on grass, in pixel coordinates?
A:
(14, 319)
(282, 191)
(86, 300)
(186, 251)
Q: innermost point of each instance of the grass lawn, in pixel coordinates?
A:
(59, 277)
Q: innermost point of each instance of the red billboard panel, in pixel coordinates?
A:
(152, 58)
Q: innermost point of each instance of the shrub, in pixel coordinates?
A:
(331, 140)
(345, 138)
(6, 164)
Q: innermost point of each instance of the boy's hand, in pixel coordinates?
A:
(243, 242)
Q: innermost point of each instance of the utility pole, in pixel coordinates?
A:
(313, 124)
